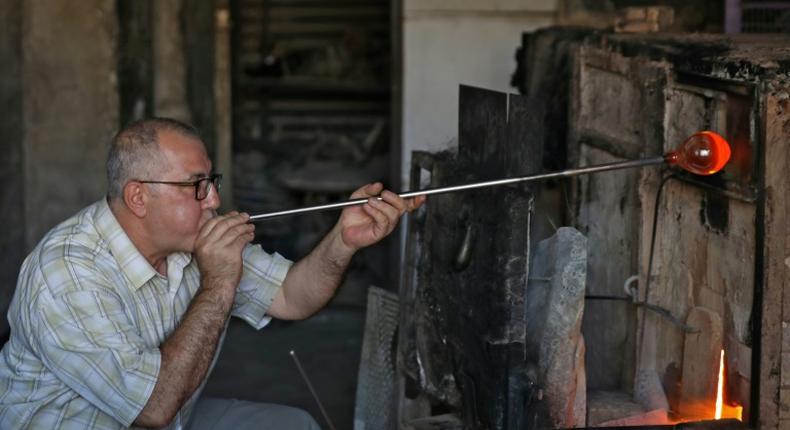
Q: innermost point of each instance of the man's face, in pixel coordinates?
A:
(174, 215)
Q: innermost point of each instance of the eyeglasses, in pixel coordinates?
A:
(202, 185)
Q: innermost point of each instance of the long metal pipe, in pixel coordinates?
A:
(562, 174)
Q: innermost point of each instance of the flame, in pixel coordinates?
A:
(720, 389)
(723, 410)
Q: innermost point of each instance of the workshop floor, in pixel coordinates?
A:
(257, 366)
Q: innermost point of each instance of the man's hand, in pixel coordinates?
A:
(187, 353)
(218, 248)
(367, 224)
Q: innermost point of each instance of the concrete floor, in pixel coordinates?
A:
(257, 366)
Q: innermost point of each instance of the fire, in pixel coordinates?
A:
(720, 389)
(723, 410)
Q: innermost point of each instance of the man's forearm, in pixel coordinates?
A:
(187, 353)
(312, 281)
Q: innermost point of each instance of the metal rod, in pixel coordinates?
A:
(312, 390)
(562, 174)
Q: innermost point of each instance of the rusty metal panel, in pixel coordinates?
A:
(462, 307)
(713, 268)
(617, 113)
(774, 344)
(706, 239)
(618, 123)
(609, 217)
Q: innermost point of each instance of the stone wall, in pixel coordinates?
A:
(70, 101)
(12, 200)
(72, 73)
(59, 98)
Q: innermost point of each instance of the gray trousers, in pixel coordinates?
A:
(215, 413)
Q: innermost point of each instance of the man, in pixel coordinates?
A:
(119, 310)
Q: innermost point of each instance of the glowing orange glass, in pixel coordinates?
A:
(704, 153)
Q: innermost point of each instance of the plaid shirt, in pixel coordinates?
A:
(87, 319)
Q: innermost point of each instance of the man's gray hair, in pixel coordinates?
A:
(134, 152)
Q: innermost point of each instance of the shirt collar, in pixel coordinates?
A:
(136, 268)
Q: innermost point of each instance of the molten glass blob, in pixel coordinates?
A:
(704, 153)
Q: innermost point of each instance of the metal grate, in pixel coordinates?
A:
(376, 404)
(758, 16)
(760, 20)
(310, 70)
(310, 109)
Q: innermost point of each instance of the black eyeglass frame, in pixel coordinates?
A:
(214, 180)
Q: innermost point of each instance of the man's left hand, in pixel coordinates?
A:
(367, 224)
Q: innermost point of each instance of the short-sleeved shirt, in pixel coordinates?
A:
(87, 319)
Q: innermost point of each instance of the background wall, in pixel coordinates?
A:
(66, 72)
(452, 42)
(70, 104)
(59, 106)
(12, 200)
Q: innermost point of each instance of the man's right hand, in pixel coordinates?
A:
(188, 351)
(218, 248)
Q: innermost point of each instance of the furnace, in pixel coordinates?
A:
(666, 288)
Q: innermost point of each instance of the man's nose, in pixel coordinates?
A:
(212, 200)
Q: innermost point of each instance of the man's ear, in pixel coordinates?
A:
(135, 198)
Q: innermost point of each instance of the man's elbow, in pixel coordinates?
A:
(157, 418)
(290, 312)
(285, 310)
(291, 315)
